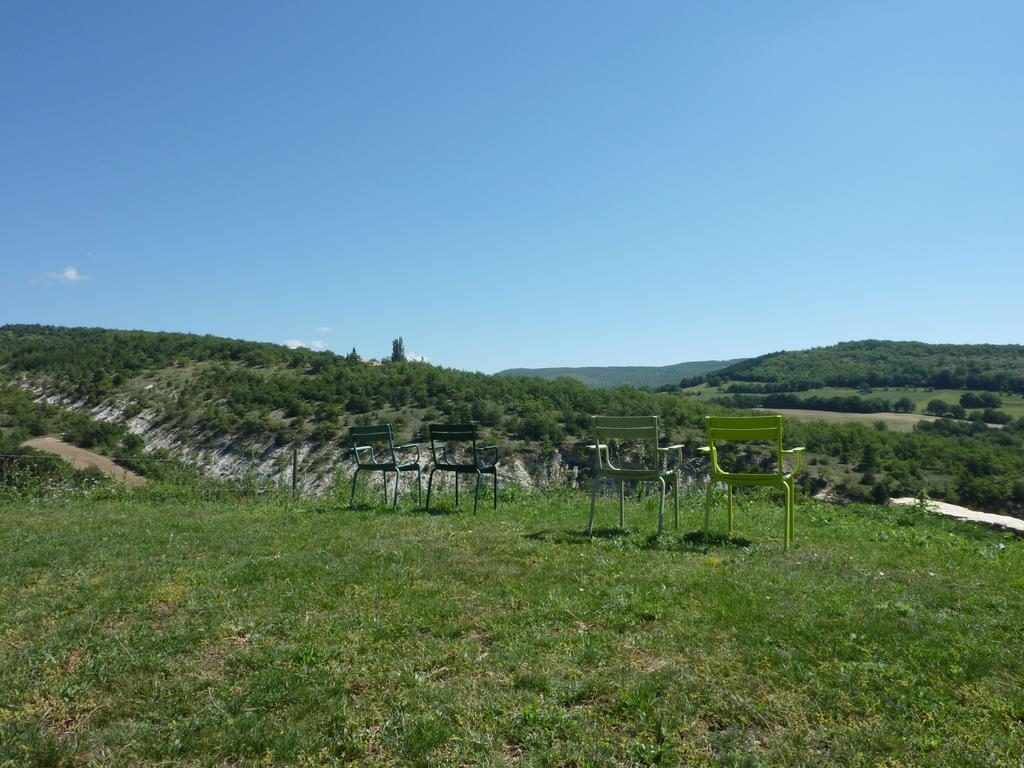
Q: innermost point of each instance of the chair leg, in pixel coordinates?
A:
(495, 489)
(675, 499)
(352, 497)
(456, 490)
(384, 478)
(661, 508)
(476, 491)
(785, 530)
(793, 513)
(593, 503)
(622, 505)
(790, 516)
(707, 511)
(430, 486)
(398, 477)
(728, 493)
(419, 487)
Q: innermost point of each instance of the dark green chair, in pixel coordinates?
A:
(637, 436)
(749, 429)
(454, 449)
(374, 450)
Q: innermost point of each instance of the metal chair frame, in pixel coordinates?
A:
(635, 429)
(443, 440)
(363, 440)
(747, 429)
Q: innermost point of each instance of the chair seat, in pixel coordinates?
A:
(466, 467)
(744, 479)
(389, 466)
(639, 474)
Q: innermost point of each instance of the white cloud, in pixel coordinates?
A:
(324, 329)
(318, 345)
(68, 275)
(416, 358)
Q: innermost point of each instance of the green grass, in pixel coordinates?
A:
(166, 631)
(897, 422)
(1013, 404)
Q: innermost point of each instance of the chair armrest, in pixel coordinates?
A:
(598, 449)
(799, 452)
(704, 449)
(677, 448)
(358, 449)
(490, 461)
(407, 447)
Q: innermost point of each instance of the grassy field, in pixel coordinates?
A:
(158, 629)
(1012, 404)
(897, 422)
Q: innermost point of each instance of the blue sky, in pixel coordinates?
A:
(520, 184)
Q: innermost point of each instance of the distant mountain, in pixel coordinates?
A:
(874, 363)
(617, 375)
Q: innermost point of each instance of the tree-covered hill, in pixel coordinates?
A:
(202, 394)
(872, 363)
(644, 376)
(222, 387)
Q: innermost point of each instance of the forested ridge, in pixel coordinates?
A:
(216, 389)
(225, 385)
(873, 363)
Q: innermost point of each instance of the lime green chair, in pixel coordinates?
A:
(642, 436)
(454, 449)
(749, 429)
(381, 437)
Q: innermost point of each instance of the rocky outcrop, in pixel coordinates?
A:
(321, 467)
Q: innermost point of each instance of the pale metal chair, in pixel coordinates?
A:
(639, 436)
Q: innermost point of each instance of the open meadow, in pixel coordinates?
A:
(156, 628)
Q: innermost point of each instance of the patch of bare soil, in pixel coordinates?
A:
(80, 458)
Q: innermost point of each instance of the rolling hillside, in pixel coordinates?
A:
(232, 408)
(647, 376)
(873, 363)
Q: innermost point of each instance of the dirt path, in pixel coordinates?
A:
(79, 458)
(962, 513)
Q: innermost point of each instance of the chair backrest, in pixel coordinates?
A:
(372, 437)
(745, 429)
(626, 429)
(447, 437)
